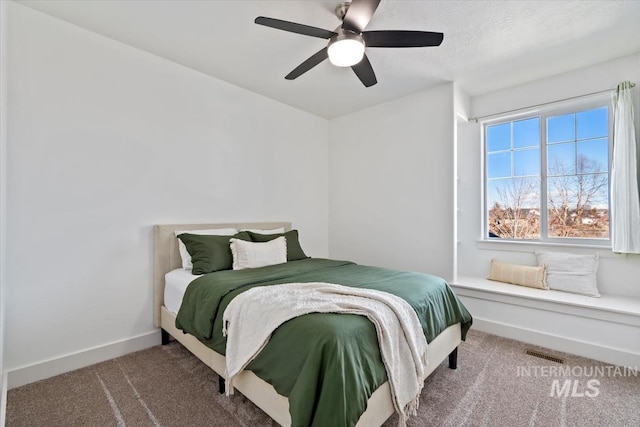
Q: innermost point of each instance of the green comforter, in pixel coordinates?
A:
(328, 365)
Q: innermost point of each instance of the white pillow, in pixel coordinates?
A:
(254, 254)
(184, 254)
(570, 272)
(271, 231)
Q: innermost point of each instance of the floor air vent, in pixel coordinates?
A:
(544, 356)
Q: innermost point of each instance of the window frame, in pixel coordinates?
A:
(574, 107)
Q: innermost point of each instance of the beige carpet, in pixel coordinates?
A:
(496, 384)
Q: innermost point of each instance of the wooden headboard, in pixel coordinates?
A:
(166, 256)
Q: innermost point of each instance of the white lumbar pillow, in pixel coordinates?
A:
(258, 254)
(184, 254)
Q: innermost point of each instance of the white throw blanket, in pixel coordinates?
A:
(252, 316)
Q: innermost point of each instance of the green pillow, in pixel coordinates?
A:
(210, 253)
(294, 251)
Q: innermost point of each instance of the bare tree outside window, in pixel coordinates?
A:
(515, 213)
(578, 204)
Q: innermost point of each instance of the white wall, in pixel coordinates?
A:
(3, 193)
(391, 184)
(107, 140)
(617, 274)
(462, 108)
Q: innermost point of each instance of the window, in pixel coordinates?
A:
(547, 176)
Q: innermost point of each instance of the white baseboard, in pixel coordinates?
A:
(49, 368)
(567, 345)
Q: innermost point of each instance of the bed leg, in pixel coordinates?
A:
(220, 384)
(453, 359)
(165, 337)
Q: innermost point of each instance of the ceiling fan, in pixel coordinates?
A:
(347, 43)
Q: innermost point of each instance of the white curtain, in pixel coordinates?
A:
(625, 196)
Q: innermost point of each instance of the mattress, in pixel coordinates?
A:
(176, 282)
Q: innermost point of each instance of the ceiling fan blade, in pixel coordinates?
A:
(359, 14)
(401, 38)
(314, 60)
(293, 27)
(364, 71)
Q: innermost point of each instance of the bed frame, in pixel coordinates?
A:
(167, 258)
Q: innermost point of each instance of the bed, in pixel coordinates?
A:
(167, 259)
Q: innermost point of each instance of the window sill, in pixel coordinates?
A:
(512, 246)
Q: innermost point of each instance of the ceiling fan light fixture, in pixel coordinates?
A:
(346, 49)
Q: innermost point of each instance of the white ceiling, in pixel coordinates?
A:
(488, 45)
